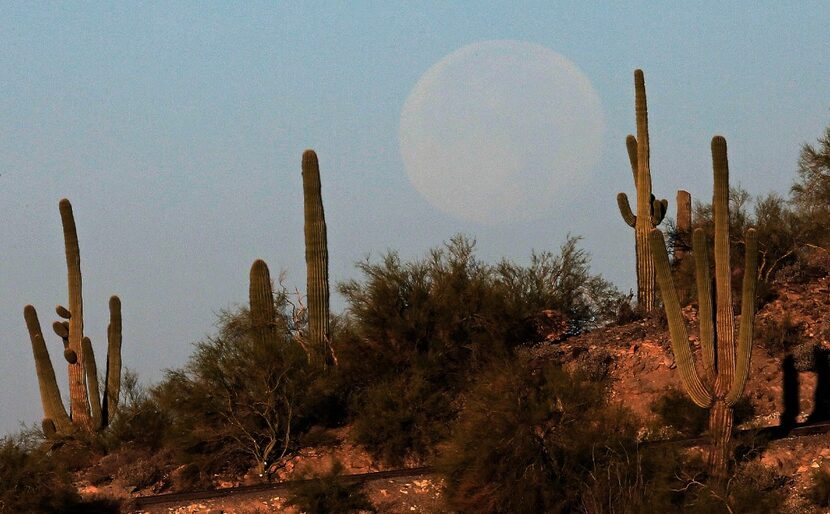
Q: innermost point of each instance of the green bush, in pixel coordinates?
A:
(32, 481)
(327, 494)
(546, 441)
(417, 332)
(233, 405)
(402, 418)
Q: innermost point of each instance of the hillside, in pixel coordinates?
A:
(636, 361)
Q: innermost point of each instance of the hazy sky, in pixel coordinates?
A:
(176, 130)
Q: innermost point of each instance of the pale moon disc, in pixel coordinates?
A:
(500, 131)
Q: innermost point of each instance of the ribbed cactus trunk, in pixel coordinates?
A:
(78, 398)
(684, 224)
(725, 360)
(89, 410)
(317, 262)
(643, 225)
(650, 212)
(261, 298)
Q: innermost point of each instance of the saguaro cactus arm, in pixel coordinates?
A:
(631, 146)
(78, 398)
(745, 334)
(112, 388)
(625, 210)
(698, 391)
(92, 381)
(50, 396)
(703, 281)
(261, 300)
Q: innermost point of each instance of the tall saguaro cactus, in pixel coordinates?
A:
(317, 262)
(650, 211)
(87, 408)
(725, 360)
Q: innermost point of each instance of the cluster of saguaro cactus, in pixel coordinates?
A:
(89, 410)
(317, 262)
(650, 211)
(725, 360)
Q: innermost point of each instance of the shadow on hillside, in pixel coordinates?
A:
(792, 397)
(821, 400)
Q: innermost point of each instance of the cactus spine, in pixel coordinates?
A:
(650, 211)
(86, 410)
(725, 360)
(317, 262)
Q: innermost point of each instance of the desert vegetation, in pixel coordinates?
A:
(432, 362)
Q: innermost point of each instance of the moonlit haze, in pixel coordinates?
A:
(497, 130)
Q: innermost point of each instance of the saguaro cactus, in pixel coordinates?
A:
(317, 262)
(87, 410)
(725, 360)
(684, 224)
(650, 211)
(263, 315)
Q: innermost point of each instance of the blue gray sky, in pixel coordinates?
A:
(176, 130)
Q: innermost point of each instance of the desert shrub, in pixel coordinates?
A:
(778, 335)
(233, 404)
(751, 489)
(327, 493)
(418, 331)
(140, 473)
(594, 364)
(544, 440)
(452, 311)
(811, 190)
(139, 421)
(31, 481)
(819, 492)
(403, 417)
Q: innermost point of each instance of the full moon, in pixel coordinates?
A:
(499, 131)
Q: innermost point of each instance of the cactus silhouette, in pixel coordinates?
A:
(317, 262)
(725, 360)
(88, 410)
(650, 211)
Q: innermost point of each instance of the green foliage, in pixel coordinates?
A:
(327, 493)
(452, 312)
(234, 402)
(140, 421)
(403, 417)
(32, 481)
(811, 191)
(546, 441)
(418, 331)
